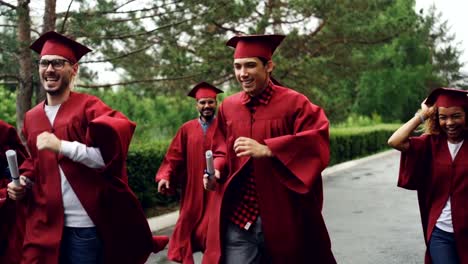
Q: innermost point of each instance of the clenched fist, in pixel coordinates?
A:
(244, 146)
(48, 141)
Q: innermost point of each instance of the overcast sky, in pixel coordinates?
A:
(455, 12)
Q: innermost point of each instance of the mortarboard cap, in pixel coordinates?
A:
(447, 97)
(249, 46)
(204, 90)
(53, 43)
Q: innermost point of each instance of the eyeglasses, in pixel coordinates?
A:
(57, 64)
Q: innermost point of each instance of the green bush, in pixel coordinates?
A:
(8, 106)
(143, 162)
(144, 159)
(351, 143)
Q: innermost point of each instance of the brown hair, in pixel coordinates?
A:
(431, 126)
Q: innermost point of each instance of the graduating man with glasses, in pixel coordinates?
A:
(80, 208)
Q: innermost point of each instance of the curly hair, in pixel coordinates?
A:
(431, 125)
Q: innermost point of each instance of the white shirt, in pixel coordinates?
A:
(444, 221)
(74, 214)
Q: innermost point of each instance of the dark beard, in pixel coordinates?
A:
(62, 88)
(207, 118)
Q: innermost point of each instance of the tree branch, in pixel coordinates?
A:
(6, 25)
(119, 57)
(124, 4)
(319, 28)
(3, 3)
(113, 37)
(93, 13)
(232, 29)
(292, 21)
(66, 17)
(121, 20)
(151, 15)
(353, 41)
(224, 79)
(109, 85)
(10, 76)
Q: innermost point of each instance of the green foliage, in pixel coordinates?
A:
(355, 120)
(143, 162)
(354, 142)
(405, 69)
(7, 106)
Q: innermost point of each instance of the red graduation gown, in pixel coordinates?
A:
(104, 193)
(427, 167)
(183, 166)
(289, 185)
(11, 212)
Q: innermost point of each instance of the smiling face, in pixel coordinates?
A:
(452, 121)
(252, 74)
(56, 80)
(207, 108)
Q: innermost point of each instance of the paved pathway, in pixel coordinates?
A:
(369, 219)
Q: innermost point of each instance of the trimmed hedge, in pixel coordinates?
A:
(351, 143)
(144, 159)
(142, 164)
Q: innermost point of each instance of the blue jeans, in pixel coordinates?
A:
(442, 247)
(80, 245)
(244, 246)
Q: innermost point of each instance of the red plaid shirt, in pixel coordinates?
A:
(245, 208)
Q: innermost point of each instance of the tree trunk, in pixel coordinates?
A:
(49, 19)
(50, 16)
(24, 93)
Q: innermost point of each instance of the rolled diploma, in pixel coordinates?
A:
(13, 165)
(209, 163)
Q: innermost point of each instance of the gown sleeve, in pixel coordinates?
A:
(111, 133)
(306, 152)
(174, 160)
(219, 144)
(413, 163)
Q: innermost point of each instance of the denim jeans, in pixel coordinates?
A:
(244, 246)
(442, 247)
(80, 245)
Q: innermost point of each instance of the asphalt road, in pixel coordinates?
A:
(369, 219)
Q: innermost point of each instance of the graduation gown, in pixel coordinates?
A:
(183, 166)
(289, 185)
(427, 167)
(104, 193)
(11, 212)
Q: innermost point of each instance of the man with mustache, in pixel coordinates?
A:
(271, 147)
(182, 168)
(11, 212)
(80, 208)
